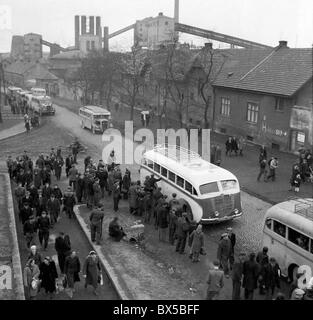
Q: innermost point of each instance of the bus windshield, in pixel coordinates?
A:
(101, 116)
(228, 184)
(45, 101)
(209, 188)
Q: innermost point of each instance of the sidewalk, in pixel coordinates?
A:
(246, 168)
(11, 288)
(12, 131)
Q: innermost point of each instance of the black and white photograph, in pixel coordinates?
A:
(156, 151)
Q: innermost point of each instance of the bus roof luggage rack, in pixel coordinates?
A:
(304, 207)
(177, 153)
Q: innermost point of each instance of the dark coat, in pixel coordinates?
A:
(162, 218)
(71, 269)
(61, 246)
(48, 275)
(250, 275)
(92, 270)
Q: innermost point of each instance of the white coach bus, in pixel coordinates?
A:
(288, 233)
(95, 118)
(211, 193)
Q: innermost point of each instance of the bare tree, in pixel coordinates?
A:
(212, 64)
(133, 68)
(175, 77)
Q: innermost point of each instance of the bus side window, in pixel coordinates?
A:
(194, 191)
(171, 176)
(150, 164)
(157, 167)
(280, 228)
(164, 172)
(180, 181)
(298, 239)
(311, 245)
(188, 187)
(268, 223)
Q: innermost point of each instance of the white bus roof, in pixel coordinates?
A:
(42, 97)
(195, 169)
(296, 213)
(96, 109)
(14, 88)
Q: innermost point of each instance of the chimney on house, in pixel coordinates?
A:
(160, 14)
(283, 44)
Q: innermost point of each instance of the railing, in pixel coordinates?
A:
(303, 207)
(177, 153)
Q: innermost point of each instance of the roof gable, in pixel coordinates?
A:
(282, 71)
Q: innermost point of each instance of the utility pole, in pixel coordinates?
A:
(2, 85)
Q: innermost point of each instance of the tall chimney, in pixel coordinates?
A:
(176, 11)
(92, 25)
(98, 26)
(76, 32)
(105, 39)
(83, 24)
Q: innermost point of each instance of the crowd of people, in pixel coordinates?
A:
(40, 205)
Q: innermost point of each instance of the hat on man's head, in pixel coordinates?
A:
(224, 235)
(299, 292)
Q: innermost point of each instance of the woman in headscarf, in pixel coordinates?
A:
(48, 276)
(196, 239)
(31, 279)
(92, 271)
(71, 271)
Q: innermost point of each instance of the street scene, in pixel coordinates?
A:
(161, 161)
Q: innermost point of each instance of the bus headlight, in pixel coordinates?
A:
(236, 211)
(216, 213)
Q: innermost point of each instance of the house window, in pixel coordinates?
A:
(166, 23)
(225, 107)
(252, 112)
(280, 104)
(192, 96)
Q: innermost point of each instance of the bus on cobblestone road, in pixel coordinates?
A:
(211, 193)
(288, 233)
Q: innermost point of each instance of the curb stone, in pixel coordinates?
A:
(17, 268)
(109, 269)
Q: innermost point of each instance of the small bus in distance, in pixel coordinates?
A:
(95, 118)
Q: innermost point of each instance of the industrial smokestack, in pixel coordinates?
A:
(176, 11)
(83, 24)
(76, 32)
(92, 25)
(98, 26)
(105, 39)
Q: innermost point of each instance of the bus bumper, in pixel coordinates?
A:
(221, 219)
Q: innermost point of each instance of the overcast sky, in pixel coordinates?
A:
(266, 21)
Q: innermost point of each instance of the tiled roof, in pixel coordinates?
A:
(280, 71)
(41, 73)
(73, 54)
(19, 67)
